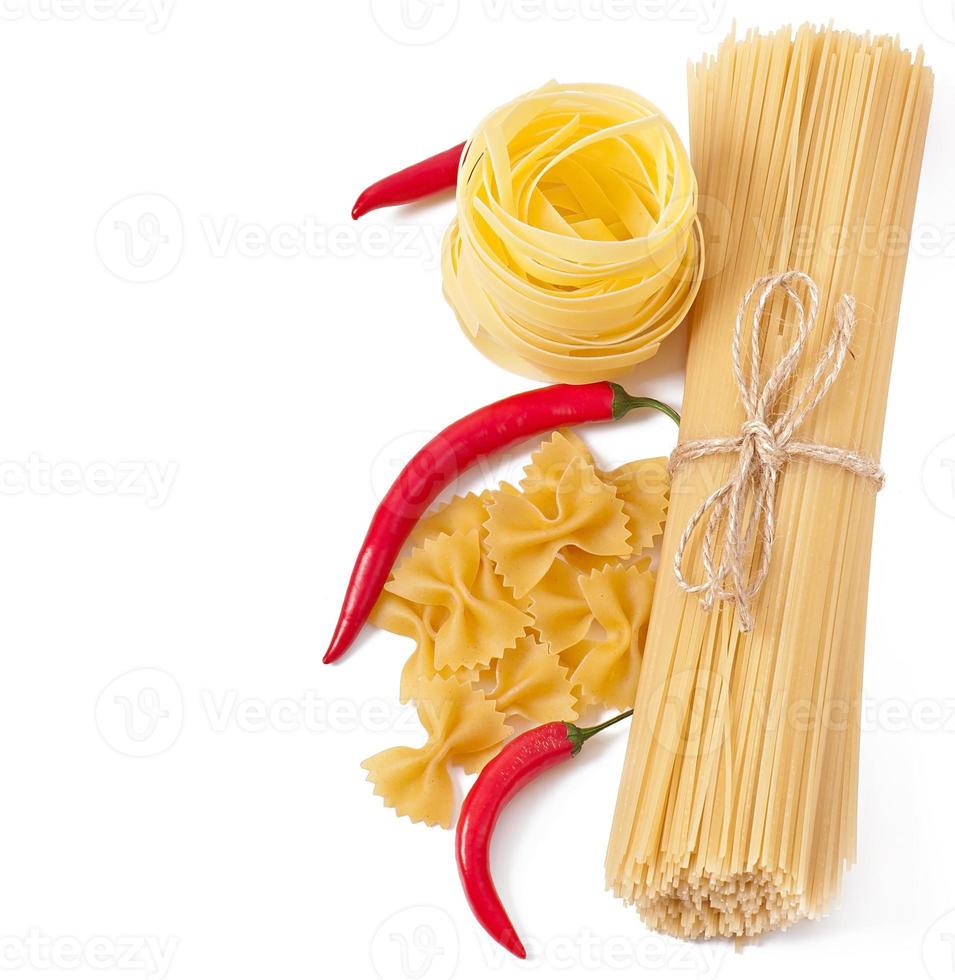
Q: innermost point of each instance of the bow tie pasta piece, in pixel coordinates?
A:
(584, 562)
(524, 537)
(483, 620)
(531, 682)
(643, 486)
(460, 721)
(542, 475)
(404, 618)
(458, 514)
(561, 614)
(607, 668)
(490, 583)
(418, 623)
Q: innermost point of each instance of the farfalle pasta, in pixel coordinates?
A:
(528, 598)
(525, 534)
(548, 463)
(418, 623)
(531, 682)
(643, 487)
(482, 621)
(561, 614)
(606, 666)
(459, 514)
(404, 618)
(460, 722)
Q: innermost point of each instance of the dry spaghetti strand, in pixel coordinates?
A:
(737, 806)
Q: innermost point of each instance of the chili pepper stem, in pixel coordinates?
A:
(577, 736)
(624, 402)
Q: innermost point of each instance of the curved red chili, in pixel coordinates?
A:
(520, 761)
(435, 174)
(448, 454)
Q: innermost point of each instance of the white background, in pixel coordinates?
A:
(207, 376)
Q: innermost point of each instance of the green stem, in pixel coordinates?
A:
(577, 736)
(624, 402)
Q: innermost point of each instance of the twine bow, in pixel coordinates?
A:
(743, 509)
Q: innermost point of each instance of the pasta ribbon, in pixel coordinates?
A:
(576, 247)
(451, 572)
(607, 668)
(460, 721)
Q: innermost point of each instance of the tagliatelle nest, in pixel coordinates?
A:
(576, 247)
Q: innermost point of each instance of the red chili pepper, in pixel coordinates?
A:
(448, 454)
(521, 760)
(435, 174)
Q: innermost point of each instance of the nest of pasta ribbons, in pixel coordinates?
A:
(526, 604)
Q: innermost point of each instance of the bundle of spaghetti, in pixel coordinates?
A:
(737, 806)
(576, 249)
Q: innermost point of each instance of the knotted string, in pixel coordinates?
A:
(765, 445)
